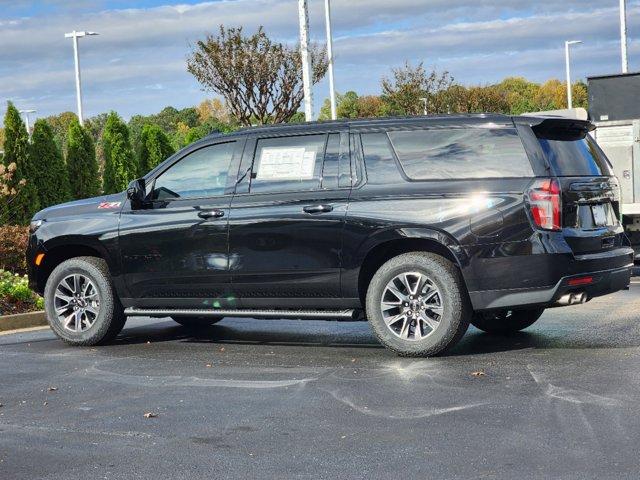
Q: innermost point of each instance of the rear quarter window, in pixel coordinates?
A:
(576, 157)
(437, 154)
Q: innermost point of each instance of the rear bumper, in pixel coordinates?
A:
(604, 281)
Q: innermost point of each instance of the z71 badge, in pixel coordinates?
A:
(109, 205)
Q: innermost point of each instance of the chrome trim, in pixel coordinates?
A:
(254, 313)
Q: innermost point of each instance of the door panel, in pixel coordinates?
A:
(172, 252)
(287, 245)
(279, 250)
(175, 251)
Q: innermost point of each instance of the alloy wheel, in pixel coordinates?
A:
(411, 306)
(76, 303)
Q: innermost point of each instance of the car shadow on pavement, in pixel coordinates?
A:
(358, 335)
(266, 332)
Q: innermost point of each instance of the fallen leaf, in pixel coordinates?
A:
(222, 349)
(478, 373)
(45, 404)
(52, 389)
(150, 415)
(353, 360)
(209, 365)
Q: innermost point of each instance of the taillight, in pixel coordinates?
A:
(545, 203)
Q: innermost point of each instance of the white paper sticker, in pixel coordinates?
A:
(286, 163)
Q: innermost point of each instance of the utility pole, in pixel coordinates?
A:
(303, 15)
(332, 90)
(568, 65)
(623, 36)
(75, 35)
(26, 120)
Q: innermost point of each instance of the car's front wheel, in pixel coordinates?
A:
(81, 304)
(506, 321)
(417, 304)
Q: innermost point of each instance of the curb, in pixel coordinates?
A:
(22, 320)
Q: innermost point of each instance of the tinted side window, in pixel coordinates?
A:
(288, 164)
(461, 153)
(378, 158)
(202, 173)
(331, 167)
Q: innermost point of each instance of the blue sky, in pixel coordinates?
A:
(137, 64)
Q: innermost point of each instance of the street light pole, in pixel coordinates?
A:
(623, 36)
(26, 120)
(567, 44)
(332, 91)
(75, 35)
(303, 16)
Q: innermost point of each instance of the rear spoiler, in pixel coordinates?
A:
(556, 128)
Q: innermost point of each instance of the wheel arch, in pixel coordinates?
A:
(389, 244)
(58, 250)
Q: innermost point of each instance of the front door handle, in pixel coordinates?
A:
(318, 208)
(211, 213)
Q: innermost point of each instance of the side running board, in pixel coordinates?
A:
(251, 313)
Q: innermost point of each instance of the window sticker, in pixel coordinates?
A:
(286, 163)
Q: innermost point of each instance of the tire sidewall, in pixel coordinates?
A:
(103, 321)
(455, 311)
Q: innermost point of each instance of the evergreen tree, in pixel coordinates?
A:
(51, 179)
(16, 151)
(82, 165)
(120, 166)
(155, 147)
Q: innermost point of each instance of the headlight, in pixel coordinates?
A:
(34, 225)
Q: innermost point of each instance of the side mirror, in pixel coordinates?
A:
(136, 193)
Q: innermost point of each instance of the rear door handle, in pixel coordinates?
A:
(211, 213)
(318, 208)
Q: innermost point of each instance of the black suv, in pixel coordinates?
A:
(422, 225)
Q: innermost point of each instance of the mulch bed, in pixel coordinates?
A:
(12, 307)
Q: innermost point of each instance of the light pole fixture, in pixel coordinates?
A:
(75, 35)
(332, 90)
(303, 17)
(567, 44)
(26, 120)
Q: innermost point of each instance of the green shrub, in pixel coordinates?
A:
(15, 295)
(13, 245)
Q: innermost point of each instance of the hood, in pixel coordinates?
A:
(102, 204)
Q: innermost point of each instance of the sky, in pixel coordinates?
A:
(137, 65)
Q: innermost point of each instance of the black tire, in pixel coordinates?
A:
(506, 321)
(456, 308)
(196, 322)
(110, 318)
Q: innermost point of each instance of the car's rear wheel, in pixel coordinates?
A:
(81, 304)
(417, 304)
(506, 321)
(196, 322)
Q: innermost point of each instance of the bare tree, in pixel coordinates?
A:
(260, 80)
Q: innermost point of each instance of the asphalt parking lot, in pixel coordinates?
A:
(309, 399)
